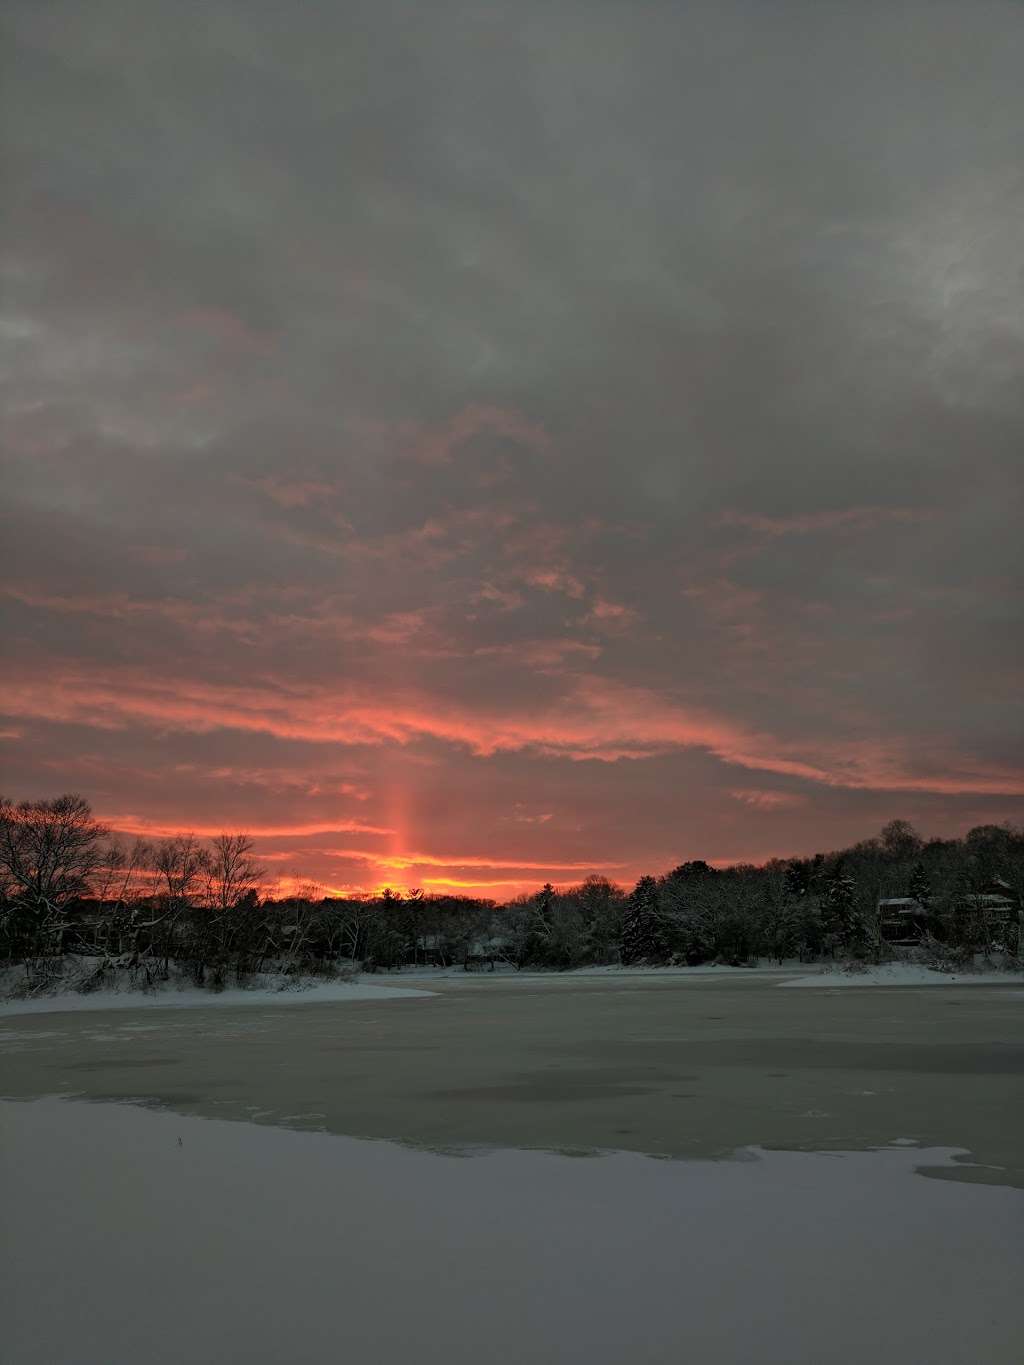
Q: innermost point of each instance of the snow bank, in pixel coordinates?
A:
(327, 992)
(905, 974)
(705, 969)
(132, 1235)
(614, 972)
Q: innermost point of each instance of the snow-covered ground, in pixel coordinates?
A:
(277, 990)
(905, 974)
(507, 973)
(333, 992)
(396, 986)
(789, 974)
(132, 1235)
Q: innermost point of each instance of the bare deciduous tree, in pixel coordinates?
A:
(183, 866)
(233, 871)
(50, 851)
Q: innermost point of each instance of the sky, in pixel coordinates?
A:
(468, 445)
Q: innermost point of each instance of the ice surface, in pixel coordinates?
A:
(136, 1236)
(333, 992)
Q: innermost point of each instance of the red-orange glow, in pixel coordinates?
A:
(594, 720)
(162, 829)
(403, 862)
(509, 885)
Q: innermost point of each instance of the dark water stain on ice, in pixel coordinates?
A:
(540, 1092)
(142, 1063)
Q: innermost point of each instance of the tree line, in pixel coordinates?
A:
(182, 908)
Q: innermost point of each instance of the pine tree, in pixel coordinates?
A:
(536, 943)
(838, 909)
(544, 902)
(797, 879)
(920, 888)
(642, 937)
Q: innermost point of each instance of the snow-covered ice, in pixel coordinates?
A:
(905, 974)
(326, 992)
(132, 1235)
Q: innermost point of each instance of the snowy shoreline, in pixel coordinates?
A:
(276, 991)
(328, 992)
(906, 974)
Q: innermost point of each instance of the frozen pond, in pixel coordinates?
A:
(134, 1236)
(510, 1214)
(695, 1066)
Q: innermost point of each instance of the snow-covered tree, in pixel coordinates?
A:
(920, 888)
(643, 938)
(839, 910)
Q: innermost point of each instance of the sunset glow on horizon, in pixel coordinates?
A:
(466, 455)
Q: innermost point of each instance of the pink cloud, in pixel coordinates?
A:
(520, 817)
(504, 599)
(544, 655)
(611, 617)
(767, 800)
(555, 580)
(592, 718)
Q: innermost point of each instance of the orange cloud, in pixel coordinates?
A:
(402, 861)
(160, 829)
(469, 886)
(593, 719)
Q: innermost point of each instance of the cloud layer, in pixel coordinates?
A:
(475, 444)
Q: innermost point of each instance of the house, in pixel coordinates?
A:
(990, 905)
(902, 919)
(429, 950)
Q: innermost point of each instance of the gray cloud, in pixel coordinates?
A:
(475, 358)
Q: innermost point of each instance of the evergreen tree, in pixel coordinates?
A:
(535, 949)
(389, 935)
(920, 888)
(797, 879)
(545, 900)
(643, 939)
(779, 918)
(838, 910)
